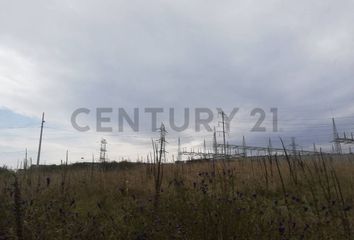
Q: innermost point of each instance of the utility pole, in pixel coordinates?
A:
(314, 147)
(66, 157)
(92, 165)
(179, 154)
(270, 147)
(244, 146)
(25, 161)
(40, 141)
(337, 146)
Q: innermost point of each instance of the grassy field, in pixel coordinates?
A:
(309, 197)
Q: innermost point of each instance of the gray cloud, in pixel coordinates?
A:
(60, 55)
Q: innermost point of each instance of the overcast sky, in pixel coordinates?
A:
(57, 56)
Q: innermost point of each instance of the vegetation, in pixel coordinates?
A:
(284, 197)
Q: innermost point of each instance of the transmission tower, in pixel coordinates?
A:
(160, 157)
(337, 146)
(293, 146)
(337, 140)
(204, 149)
(162, 142)
(215, 143)
(103, 150)
(223, 131)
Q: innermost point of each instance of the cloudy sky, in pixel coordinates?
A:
(57, 56)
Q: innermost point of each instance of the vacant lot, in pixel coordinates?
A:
(309, 197)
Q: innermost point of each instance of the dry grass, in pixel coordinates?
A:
(258, 198)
